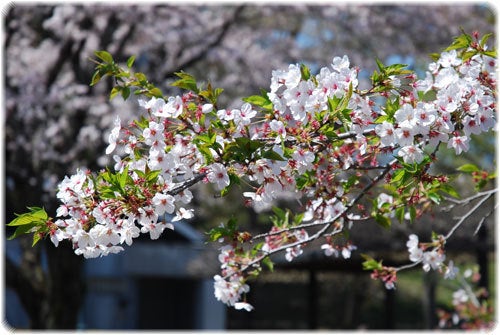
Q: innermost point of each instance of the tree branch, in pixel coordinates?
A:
(203, 51)
(326, 225)
(187, 184)
(486, 196)
(30, 294)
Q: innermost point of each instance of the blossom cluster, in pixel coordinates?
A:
(293, 240)
(469, 306)
(229, 287)
(152, 163)
(314, 138)
(431, 259)
(329, 249)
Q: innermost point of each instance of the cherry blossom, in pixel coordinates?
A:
(279, 128)
(451, 271)
(318, 139)
(113, 136)
(416, 253)
(243, 305)
(164, 203)
(432, 260)
(459, 143)
(386, 132)
(329, 250)
(460, 296)
(218, 176)
(449, 59)
(346, 251)
(411, 154)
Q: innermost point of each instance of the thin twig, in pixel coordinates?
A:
(484, 219)
(186, 184)
(486, 195)
(407, 266)
(467, 200)
(322, 231)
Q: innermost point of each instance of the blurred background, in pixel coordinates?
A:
(55, 122)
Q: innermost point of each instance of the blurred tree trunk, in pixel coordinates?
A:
(429, 299)
(389, 308)
(313, 300)
(482, 256)
(52, 298)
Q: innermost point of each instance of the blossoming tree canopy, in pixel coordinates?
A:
(348, 153)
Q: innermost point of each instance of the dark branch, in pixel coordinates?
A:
(198, 56)
(187, 184)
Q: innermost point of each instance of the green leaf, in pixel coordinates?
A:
(460, 42)
(370, 263)
(232, 152)
(350, 182)
(307, 178)
(232, 224)
(329, 130)
(383, 220)
(380, 65)
(205, 138)
(224, 191)
(130, 61)
(391, 107)
(413, 214)
(96, 78)
(107, 193)
(155, 92)
(491, 53)
(260, 101)
(449, 190)
(36, 215)
(305, 72)
(435, 197)
(399, 176)
(125, 93)
(153, 176)
(484, 39)
(400, 214)
(141, 77)
(397, 69)
(186, 81)
(468, 168)
(346, 98)
(20, 230)
(272, 155)
(142, 122)
(268, 263)
(333, 104)
(123, 177)
(297, 219)
(468, 55)
(216, 233)
(234, 179)
(36, 237)
(105, 56)
(435, 56)
(280, 213)
(480, 184)
(39, 213)
(375, 77)
(427, 96)
(206, 153)
(122, 74)
(114, 92)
